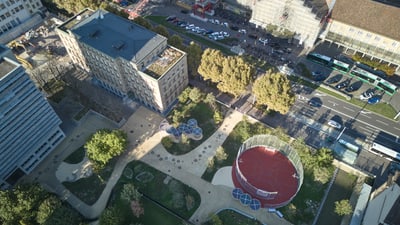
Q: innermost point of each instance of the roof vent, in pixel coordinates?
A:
(78, 17)
(101, 16)
(118, 45)
(94, 33)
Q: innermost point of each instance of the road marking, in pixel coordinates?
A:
(348, 109)
(366, 116)
(396, 128)
(382, 122)
(363, 122)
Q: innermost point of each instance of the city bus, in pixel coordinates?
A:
(318, 58)
(363, 75)
(341, 66)
(389, 88)
(386, 152)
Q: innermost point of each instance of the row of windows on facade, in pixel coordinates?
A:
(359, 44)
(12, 2)
(369, 35)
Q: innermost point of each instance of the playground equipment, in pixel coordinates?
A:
(16, 44)
(25, 63)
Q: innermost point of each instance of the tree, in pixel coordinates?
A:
(137, 209)
(195, 95)
(177, 42)
(215, 220)
(210, 99)
(274, 90)
(231, 74)
(130, 193)
(104, 145)
(160, 29)
(47, 208)
(194, 52)
(184, 96)
(220, 154)
(324, 157)
(343, 207)
(111, 216)
(64, 215)
(143, 22)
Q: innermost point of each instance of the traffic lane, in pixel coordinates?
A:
(353, 111)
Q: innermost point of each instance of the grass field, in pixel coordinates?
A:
(168, 192)
(230, 217)
(342, 188)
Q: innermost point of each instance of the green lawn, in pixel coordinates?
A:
(89, 189)
(76, 157)
(174, 195)
(341, 189)
(230, 217)
(148, 218)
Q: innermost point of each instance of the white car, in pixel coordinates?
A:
(334, 124)
(365, 96)
(242, 31)
(264, 41)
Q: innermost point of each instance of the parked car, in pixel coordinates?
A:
(287, 50)
(354, 86)
(334, 124)
(242, 31)
(184, 11)
(320, 78)
(235, 28)
(374, 100)
(170, 18)
(334, 79)
(315, 102)
(253, 36)
(343, 84)
(314, 73)
(367, 94)
(264, 41)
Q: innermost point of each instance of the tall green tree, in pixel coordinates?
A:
(104, 145)
(130, 193)
(343, 207)
(274, 90)
(195, 95)
(231, 74)
(111, 216)
(143, 22)
(194, 52)
(161, 30)
(47, 208)
(177, 42)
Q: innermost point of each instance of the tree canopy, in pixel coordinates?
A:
(274, 90)
(231, 74)
(104, 145)
(343, 207)
(194, 52)
(30, 204)
(73, 6)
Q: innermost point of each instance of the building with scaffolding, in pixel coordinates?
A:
(303, 18)
(125, 58)
(17, 17)
(29, 127)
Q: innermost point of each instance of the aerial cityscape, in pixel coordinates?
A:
(203, 112)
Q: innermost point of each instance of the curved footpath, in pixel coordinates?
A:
(145, 146)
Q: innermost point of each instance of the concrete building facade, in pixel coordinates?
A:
(367, 27)
(304, 18)
(125, 58)
(29, 127)
(18, 16)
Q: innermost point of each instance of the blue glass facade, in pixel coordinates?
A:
(29, 127)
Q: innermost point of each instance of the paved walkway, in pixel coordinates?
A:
(144, 137)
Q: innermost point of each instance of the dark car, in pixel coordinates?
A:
(184, 11)
(253, 36)
(354, 86)
(315, 102)
(334, 79)
(170, 18)
(320, 77)
(343, 84)
(235, 28)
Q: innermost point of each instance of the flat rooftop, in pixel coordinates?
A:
(164, 62)
(5, 67)
(113, 35)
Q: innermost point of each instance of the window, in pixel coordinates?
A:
(377, 38)
(394, 44)
(359, 32)
(351, 29)
(8, 14)
(369, 35)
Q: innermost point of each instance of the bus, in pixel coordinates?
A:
(318, 58)
(363, 75)
(341, 66)
(386, 152)
(389, 88)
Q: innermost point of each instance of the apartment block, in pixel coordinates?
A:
(29, 127)
(17, 17)
(368, 27)
(125, 58)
